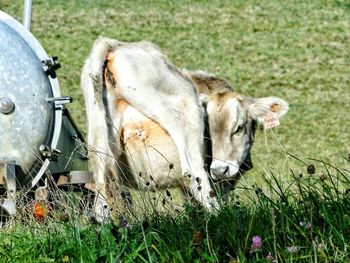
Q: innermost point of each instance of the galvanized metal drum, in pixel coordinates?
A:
(30, 105)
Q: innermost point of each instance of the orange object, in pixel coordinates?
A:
(40, 210)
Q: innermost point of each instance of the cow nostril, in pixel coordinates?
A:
(226, 169)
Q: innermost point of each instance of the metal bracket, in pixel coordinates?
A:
(9, 206)
(60, 100)
(50, 66)
(75, 177)
(8, 179)
(49, 153)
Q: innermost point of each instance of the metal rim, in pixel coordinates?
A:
(41, 55)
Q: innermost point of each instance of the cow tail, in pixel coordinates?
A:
(92, 73)
(98, 127)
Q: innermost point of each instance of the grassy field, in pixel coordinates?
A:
(297, 50)
(307, 222)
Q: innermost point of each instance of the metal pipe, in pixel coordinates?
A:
(27, 14)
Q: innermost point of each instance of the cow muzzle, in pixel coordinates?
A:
(224, 169)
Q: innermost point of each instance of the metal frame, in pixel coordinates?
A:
(27, 14)
(8, 180)
(58, 107)
(63, 130)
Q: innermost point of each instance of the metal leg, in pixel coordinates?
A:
(8, 180)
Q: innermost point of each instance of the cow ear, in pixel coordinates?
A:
(260, 107)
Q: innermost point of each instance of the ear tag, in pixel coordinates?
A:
(271, 120)
(275, 107)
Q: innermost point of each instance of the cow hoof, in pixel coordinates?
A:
(215, 207)
(102, 211)
(102, 216)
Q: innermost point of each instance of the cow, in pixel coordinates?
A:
(146, 123)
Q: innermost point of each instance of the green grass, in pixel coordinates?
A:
(297, 50)
(310, 216)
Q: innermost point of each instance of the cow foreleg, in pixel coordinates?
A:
(192, 163)
(203, 193)
(170, 99)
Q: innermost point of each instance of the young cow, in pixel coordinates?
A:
(146, 123)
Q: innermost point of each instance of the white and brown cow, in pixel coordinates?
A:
(146, 123)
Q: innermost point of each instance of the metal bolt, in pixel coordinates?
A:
(6, 105)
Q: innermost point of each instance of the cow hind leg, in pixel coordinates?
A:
(114, 193)
(103, 167)
(109, 193)
(99, 171)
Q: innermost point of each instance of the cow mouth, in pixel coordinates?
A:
(224, 169)
(231, 172)
(228, 184)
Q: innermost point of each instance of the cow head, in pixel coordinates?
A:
(232, 121)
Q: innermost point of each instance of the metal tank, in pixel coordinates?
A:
(37, 134)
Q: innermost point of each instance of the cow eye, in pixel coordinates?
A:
(239, 129)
